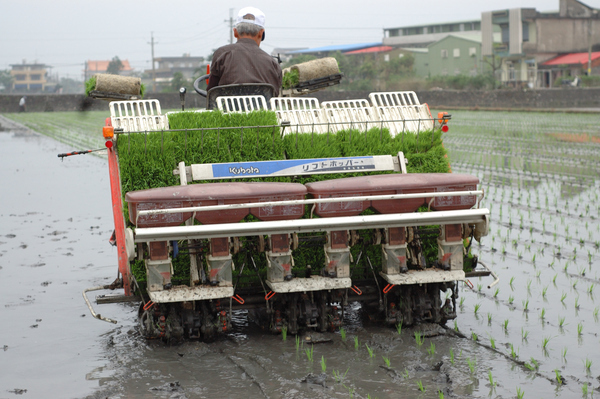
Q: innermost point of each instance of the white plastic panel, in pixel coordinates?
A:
(241, 103)
(137, 116)
(401, 112)
(304, 114)
(394, 98)
(350, 114)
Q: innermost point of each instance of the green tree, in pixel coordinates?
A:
(6, 80)
(177, 82)
(114, 66)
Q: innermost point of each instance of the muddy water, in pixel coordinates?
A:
(55, 221)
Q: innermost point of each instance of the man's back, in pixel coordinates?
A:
(243, 62)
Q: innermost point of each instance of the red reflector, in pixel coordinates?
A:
(445, 128)
(108, 143)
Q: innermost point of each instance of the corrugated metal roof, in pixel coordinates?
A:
(336, 47)
(572, 58)
(376, 49)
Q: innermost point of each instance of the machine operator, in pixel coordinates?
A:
(244, 61)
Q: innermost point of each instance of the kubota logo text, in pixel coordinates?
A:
(244, 171)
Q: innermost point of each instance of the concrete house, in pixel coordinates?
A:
(529, 38)
(29, 77)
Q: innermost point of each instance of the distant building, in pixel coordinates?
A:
(529, 38)
(101, 66)
(424, 35)
(29, 77)
(572, 64)
(166, 67)
(458, 54)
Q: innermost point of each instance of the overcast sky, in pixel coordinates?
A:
(66, 33)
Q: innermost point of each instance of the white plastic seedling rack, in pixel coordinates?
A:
(137, 116)
(241, 103)
(401, 111)
(304, 114)
(348, 114)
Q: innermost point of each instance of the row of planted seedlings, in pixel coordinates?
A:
(544, 240)
(407, 362)
(147, 160)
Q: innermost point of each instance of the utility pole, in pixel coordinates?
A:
(230, 25)
(153, 69)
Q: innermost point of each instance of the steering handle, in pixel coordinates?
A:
(197, 83)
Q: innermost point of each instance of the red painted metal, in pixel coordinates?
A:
(216, 194)
(117, 206)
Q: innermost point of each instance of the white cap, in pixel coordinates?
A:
(251, 15)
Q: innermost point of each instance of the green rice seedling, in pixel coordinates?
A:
(496, 292)
(284, 333)
(339, 377)
(524, 334)
(513, 354)
(474, 336)
(577, 303)
(420, 385)
(511, 299)
(405, 374)
(588, 364)
(558, 377)
(579, 329)
(574, 284)
(563, 297)
(476, 309)
(471, 364)
(356, 343)
(564, 352)
(492, 343)
(386, 360)
(533, 365)
(561, 322)
(343, 333)
(591, 289)
(489, 318)
(399, 328)
(544, 290)
(545, 342)
(596, 314)
(309, 353)
(512, 279)
(520, 393)
(554, 279)
(371, 354)
(456, 324)
(584, 389)
(461, 302)
(90, 85)
(491, 379)
(431, 349)
(323, 364)
(419, 338)
(528, 285)
(543, 313)
(479, 287)
(505, 325)
(452, 356)
(297, 343)
(440, 394)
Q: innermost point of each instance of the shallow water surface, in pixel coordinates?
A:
(55, 222)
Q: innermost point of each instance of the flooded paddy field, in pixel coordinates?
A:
(533, 335)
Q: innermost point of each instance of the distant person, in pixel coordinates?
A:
(22, 104)
(244, 61)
